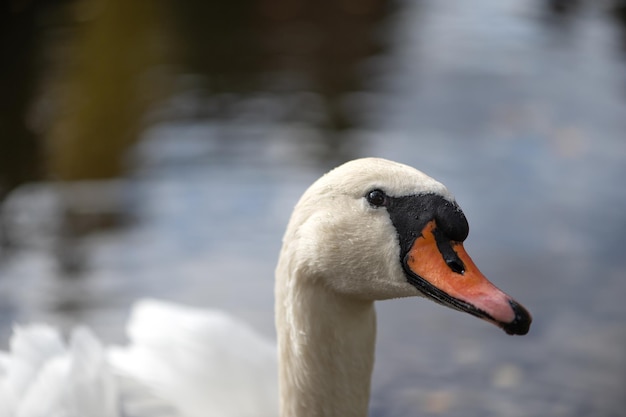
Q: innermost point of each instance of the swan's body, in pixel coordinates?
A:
(368, 230)
(180, 362)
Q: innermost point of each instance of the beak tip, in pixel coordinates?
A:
(521, 323)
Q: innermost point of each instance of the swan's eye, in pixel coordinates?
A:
(376, 198)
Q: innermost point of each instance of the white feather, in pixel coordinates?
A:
(203, 363)
(42, 377)
(180, 361)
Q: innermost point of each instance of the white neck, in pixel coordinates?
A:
(326, 350)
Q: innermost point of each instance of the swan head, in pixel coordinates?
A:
(373, 229)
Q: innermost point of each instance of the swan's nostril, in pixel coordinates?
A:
(456, 266)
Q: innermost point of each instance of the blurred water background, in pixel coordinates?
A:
(157, 148)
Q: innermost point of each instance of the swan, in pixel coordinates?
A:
(368, 230)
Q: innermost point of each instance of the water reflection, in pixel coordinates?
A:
(299, 58)
(619, 14)
(19, 46)
(111, 81)
(518, 107)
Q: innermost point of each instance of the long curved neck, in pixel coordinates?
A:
(326, 349)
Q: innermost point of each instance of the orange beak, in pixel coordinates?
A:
(443, 271)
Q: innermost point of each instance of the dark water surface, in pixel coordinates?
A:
(518, 107)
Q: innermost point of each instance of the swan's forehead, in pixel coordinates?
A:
(409, 181)
(397, 180)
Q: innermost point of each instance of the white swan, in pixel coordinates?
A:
(368, 230)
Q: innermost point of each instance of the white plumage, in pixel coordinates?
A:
(41, 376)
(180, 361)
(203, 363)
